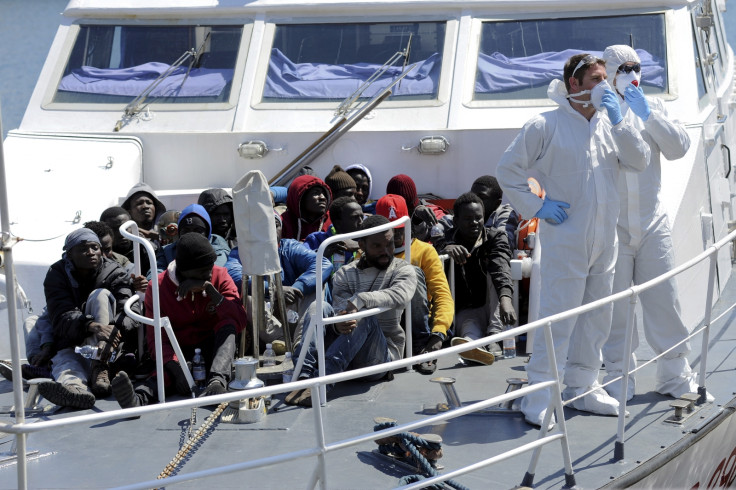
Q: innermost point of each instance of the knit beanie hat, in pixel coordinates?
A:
(405, 187)
(193, 251)
(338, 179)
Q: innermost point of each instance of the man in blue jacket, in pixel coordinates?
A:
(193, 219)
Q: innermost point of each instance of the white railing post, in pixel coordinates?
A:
(556, 401)
(706, 324)
(618, 451)
(320, 433)
(10, 293)
(317, 320)
(409, 351)
(138, 240)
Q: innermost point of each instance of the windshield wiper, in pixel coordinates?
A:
(137, 105)
(347, 104)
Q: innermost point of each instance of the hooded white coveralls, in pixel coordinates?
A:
(576, 161)
(645, 252)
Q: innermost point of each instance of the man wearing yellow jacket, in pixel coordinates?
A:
(432, 306)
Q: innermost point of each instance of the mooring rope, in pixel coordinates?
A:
(177, 461)
(412, 442)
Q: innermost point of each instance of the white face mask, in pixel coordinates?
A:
(596, 95)
(624, 79)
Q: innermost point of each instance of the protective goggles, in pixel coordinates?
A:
(587, 61)
(629, 68)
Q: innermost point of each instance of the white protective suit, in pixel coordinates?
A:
(645, 252)
(576, 161)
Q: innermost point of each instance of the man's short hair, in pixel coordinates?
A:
(101, 229)
(492, 183)
(465, 199)
(113, 212)
(572, 63)
(373, 221)
(337, 206)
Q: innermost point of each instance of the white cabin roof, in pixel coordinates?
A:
(186, 8)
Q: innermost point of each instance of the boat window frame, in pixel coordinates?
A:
(48, 102)
(707, 77)
(720, 32)
(471, 67)
(452, 24)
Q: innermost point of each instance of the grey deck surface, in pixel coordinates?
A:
(123, 452)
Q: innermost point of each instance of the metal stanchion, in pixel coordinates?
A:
(282, 311)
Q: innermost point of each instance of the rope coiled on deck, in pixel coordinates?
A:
(412, 442)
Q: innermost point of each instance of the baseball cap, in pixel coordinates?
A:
(393, 207)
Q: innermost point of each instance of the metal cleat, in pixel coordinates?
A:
(513, 385)
(448, 388)
(680, 407)
(692, 398)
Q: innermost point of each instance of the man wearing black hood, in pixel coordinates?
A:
(144, 206)
(219, 205)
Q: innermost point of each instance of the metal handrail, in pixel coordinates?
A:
(137, 240)
(316, 326)
(20, 429)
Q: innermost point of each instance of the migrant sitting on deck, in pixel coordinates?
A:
(205, 311)
(85, 294)
(376, 280)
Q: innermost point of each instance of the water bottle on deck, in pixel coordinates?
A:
(199, 371)
(509, 346)
(269, 356)
(288, 366)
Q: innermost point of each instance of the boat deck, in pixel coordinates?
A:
(123, 452)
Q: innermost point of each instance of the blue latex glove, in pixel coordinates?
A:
(610, 102)
(637, 101)
(553, 211)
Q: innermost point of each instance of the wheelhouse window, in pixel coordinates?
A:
(518, 59)
(328, 62)
(115, 64)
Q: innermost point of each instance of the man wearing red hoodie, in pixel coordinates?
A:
(202, 304)
(307, 202)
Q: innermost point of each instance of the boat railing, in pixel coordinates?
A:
(319, 476)
(317, 387)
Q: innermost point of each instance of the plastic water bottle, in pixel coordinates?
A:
(199, 371)
(288, 366)
(88, 351)
(437, 231)
(292, 316)
(338, 260)
(92, 352)
(509, 346)
(269, 356)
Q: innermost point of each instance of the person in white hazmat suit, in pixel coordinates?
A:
(576, 152)
(645, 245)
